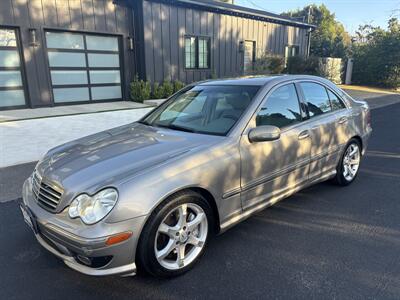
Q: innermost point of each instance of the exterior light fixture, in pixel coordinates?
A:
(241, 46)
(32, 32)
(130, 43)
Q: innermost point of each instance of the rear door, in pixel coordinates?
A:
(269, 169)
(342, 114)
(322, 126)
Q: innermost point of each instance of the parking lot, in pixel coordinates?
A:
(324, 242)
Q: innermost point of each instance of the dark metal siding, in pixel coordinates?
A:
(102, 16)
(165, 26)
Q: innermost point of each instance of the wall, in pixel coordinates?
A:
(80, 15)
(165, 26)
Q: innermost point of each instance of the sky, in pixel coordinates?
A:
(351, 13)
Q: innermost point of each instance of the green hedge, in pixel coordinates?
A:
(268, 64)
(378, 63)
(141, 90)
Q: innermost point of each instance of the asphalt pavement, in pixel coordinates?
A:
(324, 242)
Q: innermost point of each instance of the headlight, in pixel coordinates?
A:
(92, 209)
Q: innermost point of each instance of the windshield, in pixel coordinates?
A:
(203, 109)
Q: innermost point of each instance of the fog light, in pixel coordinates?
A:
(118, 238)
(85, 260)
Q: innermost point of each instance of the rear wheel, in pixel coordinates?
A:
(175, 236)
(349, 163)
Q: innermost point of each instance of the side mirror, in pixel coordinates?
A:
(264, 133)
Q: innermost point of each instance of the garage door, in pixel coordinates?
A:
(11, 83)
(84, 67)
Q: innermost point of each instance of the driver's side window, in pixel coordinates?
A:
(281, 108)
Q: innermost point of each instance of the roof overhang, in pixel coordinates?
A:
(226, 8)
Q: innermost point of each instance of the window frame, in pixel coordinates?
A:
(339, 98)
(87, 68)
(290, 46)
(251, 123)
(196, 51)
(265, 101)
(304, 102)
(21, 68)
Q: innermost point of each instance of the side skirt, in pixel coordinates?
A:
(249, 212)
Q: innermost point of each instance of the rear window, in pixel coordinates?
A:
(316, 97)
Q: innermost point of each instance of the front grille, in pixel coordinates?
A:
(46, 195)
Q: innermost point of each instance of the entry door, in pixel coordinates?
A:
(249, 55)
(269, 169)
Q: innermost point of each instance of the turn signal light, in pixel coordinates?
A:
(118, 238)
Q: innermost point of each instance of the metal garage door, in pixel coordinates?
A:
(84, 67)
(11, 82)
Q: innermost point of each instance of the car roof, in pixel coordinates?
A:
(258, 80)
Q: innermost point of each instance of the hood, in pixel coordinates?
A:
(105, 158)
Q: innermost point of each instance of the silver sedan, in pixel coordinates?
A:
(149, 194)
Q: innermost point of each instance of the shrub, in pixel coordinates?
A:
(268, 64)
(302, 65)
(178, 85)
(167, 88)
(276, 64)
(158, 92)
(378, 62)
(140, 90)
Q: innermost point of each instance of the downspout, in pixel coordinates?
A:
(309, 41)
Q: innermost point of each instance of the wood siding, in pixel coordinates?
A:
(166, 25)
(96, 16)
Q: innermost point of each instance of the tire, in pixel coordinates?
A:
(347, 172)
(175, 233)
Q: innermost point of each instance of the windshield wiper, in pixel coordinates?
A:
(144, 123)
(175, 127)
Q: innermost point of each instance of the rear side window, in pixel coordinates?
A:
(335, 101)
(316, 97)
(281, 108)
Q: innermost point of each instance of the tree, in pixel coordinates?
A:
(377, 55)
(330, 38)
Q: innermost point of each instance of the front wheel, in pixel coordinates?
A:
(349, 164)
(175, 236)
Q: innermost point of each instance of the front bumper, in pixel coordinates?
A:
(72, 240)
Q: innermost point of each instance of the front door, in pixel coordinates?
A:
(270, 169)
(249, 55)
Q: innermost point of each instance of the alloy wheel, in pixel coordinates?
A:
(181, 236)
(351, 161)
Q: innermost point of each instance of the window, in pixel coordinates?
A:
(203, 109)
(190, 52)
(203, 53)
(11, 82)
(335, 101)
(316, 97)
(281, 108)
(84, 67)
(291, 51)
(197, 52)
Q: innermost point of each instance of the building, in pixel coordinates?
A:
(57, 52)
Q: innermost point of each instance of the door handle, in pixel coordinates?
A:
(304, 134)
(342, 120)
